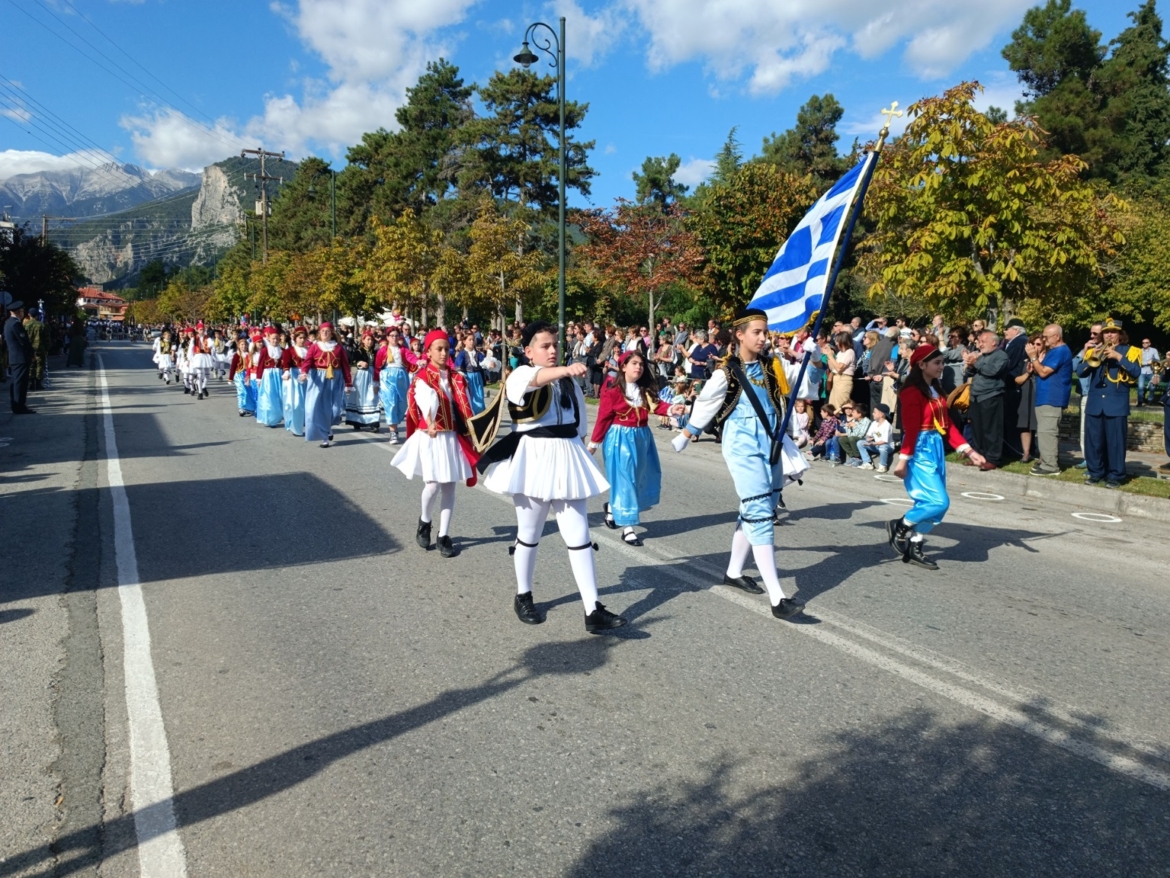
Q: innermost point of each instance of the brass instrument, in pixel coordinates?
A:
(1095, 356)
(1157, 366)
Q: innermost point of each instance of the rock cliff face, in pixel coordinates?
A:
(88, 191)
(218, 202)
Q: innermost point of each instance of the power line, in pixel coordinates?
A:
(135, 85)
(141, 67)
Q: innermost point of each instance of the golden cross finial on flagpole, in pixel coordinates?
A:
(890, 114)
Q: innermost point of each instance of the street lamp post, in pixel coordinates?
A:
(554, 47)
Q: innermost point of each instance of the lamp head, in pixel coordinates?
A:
(526, 58)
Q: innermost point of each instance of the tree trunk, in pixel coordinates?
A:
(441, 310)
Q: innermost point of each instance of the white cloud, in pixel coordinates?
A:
(1000, 90)
(165, 138)
(588, 38)
(778, 41)
(21, 161)
(610, 149)
(373, 51)
(694, 172)
(19, 114)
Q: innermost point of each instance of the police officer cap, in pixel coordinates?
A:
(16, 305)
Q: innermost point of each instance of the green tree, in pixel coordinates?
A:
(415, 167)
(656, 184)
(152, 278)
(502, 269)
(969, 217)
(302, 216)
(1137, 91)
(728, 160)
(513, 150)
(32, 271)
(811, 146)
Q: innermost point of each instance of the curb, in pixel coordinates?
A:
(1084, 497)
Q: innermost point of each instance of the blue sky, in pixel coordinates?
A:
(182, 83)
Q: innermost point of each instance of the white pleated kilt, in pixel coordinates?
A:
(437, 460)
(202, 361)
(548, 469)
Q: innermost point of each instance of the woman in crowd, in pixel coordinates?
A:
(840, 359)
(467, 363)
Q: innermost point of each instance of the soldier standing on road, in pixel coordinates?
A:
(38, 335)
(20, 358)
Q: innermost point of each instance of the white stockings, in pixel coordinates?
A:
(573, 524)
(446, 505)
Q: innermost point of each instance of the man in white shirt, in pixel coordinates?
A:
(877, 440)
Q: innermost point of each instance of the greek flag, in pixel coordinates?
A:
(793, 290)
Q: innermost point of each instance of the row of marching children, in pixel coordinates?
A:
(546, 467)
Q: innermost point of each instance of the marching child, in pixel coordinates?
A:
(622, 431)
(294, 391)
(544, 465)
(437, 446)
(747, 394)
(240, 374)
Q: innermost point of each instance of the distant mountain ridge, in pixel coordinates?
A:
(193, 225)
(88, 191)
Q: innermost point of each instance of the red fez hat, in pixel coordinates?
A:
(298, 330)
(923, 352)
(433, 336)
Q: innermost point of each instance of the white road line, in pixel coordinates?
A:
(1017, 718)
(160, 849)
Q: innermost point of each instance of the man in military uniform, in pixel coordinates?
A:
(1107, 404)
(38, 335)
(20, 358)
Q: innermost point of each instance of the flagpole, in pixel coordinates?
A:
(854, 213)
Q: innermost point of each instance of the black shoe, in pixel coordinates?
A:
(526, 611)
(186, 390)
(243, 414)
(423, 537)
(630, 538)
(446, 549)
(787, 608)
(899, 536)
(609, 522)
(602, 619)
(743, 583)
(914, 556)
(1112, 484)
(1089, 480)
(25, 410)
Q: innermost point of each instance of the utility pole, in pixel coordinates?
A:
(263, 178)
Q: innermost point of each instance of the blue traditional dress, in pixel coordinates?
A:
(393, 384)
(270, 390)
(240, 376)
(294, 391)
(631, 457)
(326, 369)
(361, 400)
(746, 443)
(468, 363)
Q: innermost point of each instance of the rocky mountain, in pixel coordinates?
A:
(193, 226)
(87, 191)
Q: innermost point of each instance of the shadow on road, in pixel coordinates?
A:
(915, 796)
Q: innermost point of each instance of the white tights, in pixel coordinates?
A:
(765, 557)
(573, 523)
(200, 379)
(446, 505)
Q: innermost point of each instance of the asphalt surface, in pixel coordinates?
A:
(339, 702)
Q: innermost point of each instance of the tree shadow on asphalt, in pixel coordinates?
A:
(270, 777)
(14, 615)
(214, 526)
(915, 796)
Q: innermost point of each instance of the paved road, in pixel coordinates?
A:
(338, 702)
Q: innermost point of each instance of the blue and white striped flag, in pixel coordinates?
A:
(793, 290)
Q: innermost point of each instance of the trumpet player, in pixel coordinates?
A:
(1111, 368)
(1151, 369)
